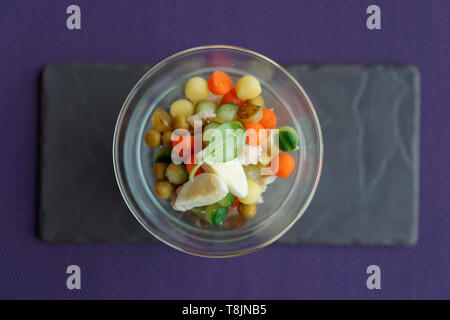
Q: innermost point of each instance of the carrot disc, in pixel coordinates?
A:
(220, 83)
(231, 97)
(256, 134)
(269, 119)
(282, 165)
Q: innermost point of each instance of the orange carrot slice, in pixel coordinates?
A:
(282, 165)
(256, 134)
(269, 119)
(231, 97)
(220, 83)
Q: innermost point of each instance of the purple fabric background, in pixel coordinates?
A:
(33, 33)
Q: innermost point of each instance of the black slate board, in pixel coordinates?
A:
(79, 197)
(368, 194)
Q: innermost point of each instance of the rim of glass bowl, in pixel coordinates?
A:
(121, 181)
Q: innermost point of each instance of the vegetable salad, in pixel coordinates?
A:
(219, 149)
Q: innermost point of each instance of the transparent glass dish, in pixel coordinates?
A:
(284, 201)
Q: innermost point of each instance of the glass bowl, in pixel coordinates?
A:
(284, 201)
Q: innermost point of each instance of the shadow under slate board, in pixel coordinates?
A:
(368, 193)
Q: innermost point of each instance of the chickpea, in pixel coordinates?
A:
(197, 89)
(167, 139)
(153, 138)
(164, 189)
(248, 87)
(254, 192)
(247, 210)
(181, 107)
(180, 122)
(160, 170)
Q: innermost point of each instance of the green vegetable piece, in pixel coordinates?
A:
(205, 105)
(215, 214)
(227, 201)
(208, 131)
(227, 141)
(176, 173)
(287, 139)
(199, 209)
(227, 111)
(163, 155)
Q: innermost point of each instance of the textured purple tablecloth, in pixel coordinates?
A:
(34, 33)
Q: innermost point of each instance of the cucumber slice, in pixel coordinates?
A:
(205, 105)
(227, 201)
(176, 173)
(163, 155)
(215, 214)
(287, 138)
(208, 131)
(227, 111)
